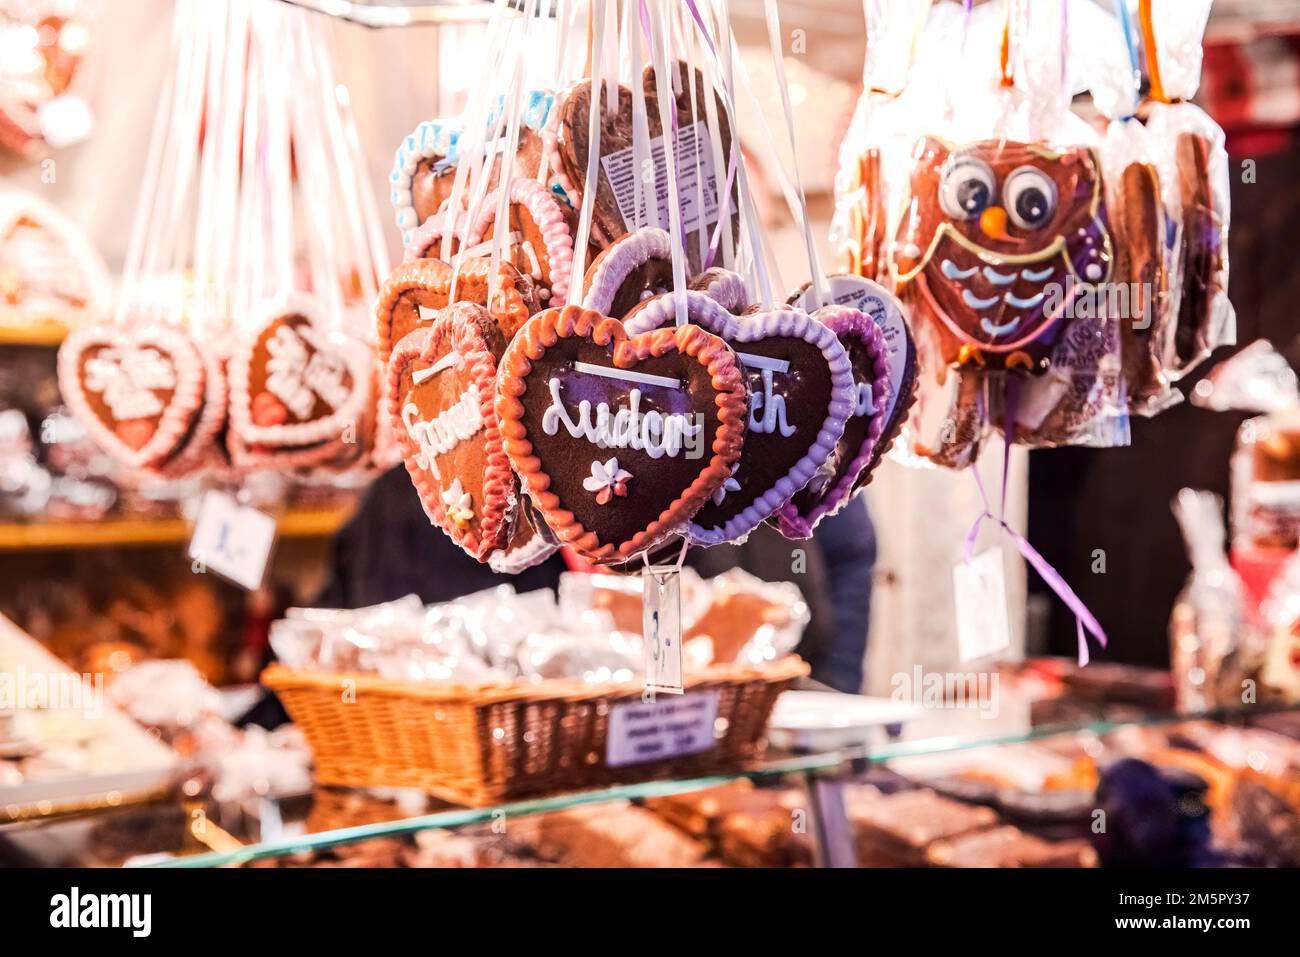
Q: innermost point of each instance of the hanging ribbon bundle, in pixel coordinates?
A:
(237, 342)
(566, 362)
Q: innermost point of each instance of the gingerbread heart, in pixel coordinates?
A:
(441, 393)
(884, 309)
(615, 211)
(48, 269)
(424, 170)
(632, 269)
(138, 391)
(801, 395)
(415, 290)
(834, 483)
(727, 288)
(618, 439)
(530, 542)
(295, 384)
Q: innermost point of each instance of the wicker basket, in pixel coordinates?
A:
(484, 745)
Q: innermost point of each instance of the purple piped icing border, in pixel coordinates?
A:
(846, 322)
(785, 322)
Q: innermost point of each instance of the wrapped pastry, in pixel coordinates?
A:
(1192, 161)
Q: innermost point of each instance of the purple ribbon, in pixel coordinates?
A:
(1083, 618)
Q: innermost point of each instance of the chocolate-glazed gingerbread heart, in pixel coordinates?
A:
(801, 394)
(1138, 224)
(847, 467)
(138, 391)
(614, 214)
(294, 383)
(884, 309)
(414, 290)
(1202, 253)
(618, 439)
(441, 390)
(631, 270)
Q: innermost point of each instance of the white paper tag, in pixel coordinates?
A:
(232, 540)
(980, 597)
(661, 729)
(694, 157)
(661, 626)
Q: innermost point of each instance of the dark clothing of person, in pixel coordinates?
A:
(389, 549)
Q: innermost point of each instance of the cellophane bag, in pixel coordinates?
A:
(1192, 162)
(1142, 232)
(1003, 251)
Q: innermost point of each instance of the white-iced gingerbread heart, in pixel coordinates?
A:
(139, 391)
(295, 383)
(441, 389)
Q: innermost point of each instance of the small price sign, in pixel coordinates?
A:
(661, 626)
(231, 539)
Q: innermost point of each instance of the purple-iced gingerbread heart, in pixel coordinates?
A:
(835, 482)
(801, 398)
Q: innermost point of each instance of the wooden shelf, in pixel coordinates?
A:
(50, 536)
(40, 332)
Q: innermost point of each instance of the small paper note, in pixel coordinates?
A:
(640, 731)
(661, 626)
(232, 540)
(980, 597)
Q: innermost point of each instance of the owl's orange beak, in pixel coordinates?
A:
(994, 223)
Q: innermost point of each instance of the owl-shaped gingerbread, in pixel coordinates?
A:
(997, 242)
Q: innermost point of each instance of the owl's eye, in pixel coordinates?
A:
(966, 188)
(1030, 197)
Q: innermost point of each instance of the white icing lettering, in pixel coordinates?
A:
(127, 378)
(654, 433)
(444, 431)
(865, 402)
(772, 407)
(299, 370)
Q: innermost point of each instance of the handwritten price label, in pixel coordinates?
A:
(661, 626)
(233, 540)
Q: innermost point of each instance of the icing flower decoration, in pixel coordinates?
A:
(729, 485)
(607, 480)
(460, 506)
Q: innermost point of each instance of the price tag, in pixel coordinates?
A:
(980, 597)
(640, 731)
(232, 540)
(661, 626)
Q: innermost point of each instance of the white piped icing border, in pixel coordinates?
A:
(16, 205)
(178, 415)
(788, 323)
(431, 138)
(618, 261)
(356, 354)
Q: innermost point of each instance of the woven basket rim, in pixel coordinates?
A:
(279, 677)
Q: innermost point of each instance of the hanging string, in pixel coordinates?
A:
(1005, 55)
(1134, 58)
(1153, 56)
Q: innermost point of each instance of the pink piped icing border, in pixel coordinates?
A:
(785, 322)
(356, 354)
(846, 322)
(455, 327)
(545, 210)
(173, 424)
(616, 263)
